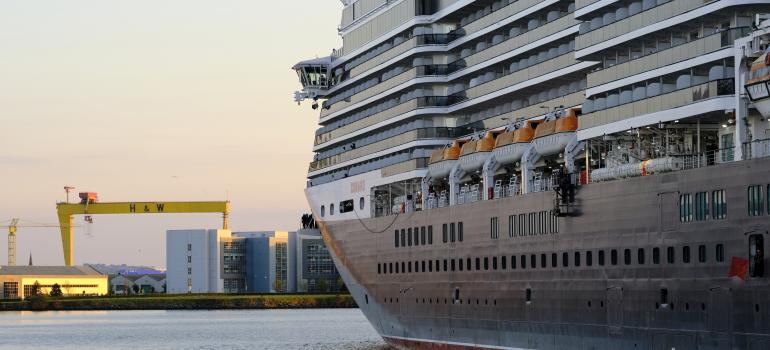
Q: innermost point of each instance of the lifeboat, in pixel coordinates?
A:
(442, 160)
(757, 85)
(511, 144)
(553, 135)
(475, 152)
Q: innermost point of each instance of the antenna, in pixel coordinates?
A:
(67, 189)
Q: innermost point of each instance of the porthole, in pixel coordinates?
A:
(703, 306)
(323, 210)
(756, 307)
(601, 303)
(589, 304)
(331, 209)
(686, 306)
(361, 203)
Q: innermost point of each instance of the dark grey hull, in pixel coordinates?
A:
(649, 303)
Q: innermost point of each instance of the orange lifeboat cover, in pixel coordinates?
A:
(503, 139)
(468, 147)
(568, 122)
(437, 156)
(487, 143)
(452, 152)
(527, 132)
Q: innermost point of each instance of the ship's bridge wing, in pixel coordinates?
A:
(314, 76)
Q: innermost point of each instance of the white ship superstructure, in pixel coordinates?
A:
(546, 134)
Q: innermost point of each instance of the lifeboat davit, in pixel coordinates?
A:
(553, 135)
(511, 144)
(442, 160)
(757, 85)
(475, 152)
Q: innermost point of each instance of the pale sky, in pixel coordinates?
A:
(154, 100)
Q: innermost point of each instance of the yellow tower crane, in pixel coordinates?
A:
(89, 205)
(12, 228)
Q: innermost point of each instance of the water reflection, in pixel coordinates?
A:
(324, 329)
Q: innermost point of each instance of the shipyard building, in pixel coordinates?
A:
(18, 282)
(221, 261)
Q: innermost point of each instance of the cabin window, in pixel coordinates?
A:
(452, 232)
(523, 261)
(640, 256)
(346, 206)
(577, 259)
(331, 209)
(395, 239)
(601, 258)
(532, 229)
(409, 265)
(702, 253)
(533, 261)
(528, 295)
(756, 203)
(589, 258)
(521, 225)
(417, 236)
(554, 222)
(403, 267)
(756, 255)
(656, 255)
(554, 260)
(511, 225)
(403, 237)
(685, 207)
(502, 263)
(718, 205)
(543, 263)
(493, 228)
(430, 265)
(720, 252)
(423, 265)
(323, 210)
(445, 266)
(460, 264)
(670, 255)
(701, 206)
(686, 254)
(409, 236)
(627, 256)
(513, 262)
(478, 264)
(565, 259)
(468, 264)
(664, 296)
(452, 265)
(422, 235)
(459, 231)
(396, 267)
(361, 203)
(486, 263)
(430, 234)
(614, 257)
(445, 232)
(379, 269)
(494, 263)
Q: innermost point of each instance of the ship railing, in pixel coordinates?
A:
(542, 184)
(756, 149)
(707, 158)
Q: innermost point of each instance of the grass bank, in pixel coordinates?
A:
(183, 302)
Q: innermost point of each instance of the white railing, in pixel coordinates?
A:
(756, 149)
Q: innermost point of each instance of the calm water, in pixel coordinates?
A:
(326, 329)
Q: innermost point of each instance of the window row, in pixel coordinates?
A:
(346, 206)
(576, 259)
(756, 204)
(413, 236)
(452, 232)
(704, 207)
(533, 224)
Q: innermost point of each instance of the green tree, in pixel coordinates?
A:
(35, 289)
(56, 290)
(322, 285)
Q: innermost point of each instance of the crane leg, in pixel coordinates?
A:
(11, 249)
(65, 223)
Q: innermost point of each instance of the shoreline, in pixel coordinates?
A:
(183, 302)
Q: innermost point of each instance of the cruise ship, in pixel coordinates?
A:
(548, 174)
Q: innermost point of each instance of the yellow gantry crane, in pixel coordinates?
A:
(89, 205)
(12, 228)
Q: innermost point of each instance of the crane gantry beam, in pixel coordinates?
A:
(65, 212)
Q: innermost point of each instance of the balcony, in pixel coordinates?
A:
(494, 17)
(611, 29)
(661, 102)
(678, 53)
(409, 136)
(413, 42)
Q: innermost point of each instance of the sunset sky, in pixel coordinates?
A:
(148, 100)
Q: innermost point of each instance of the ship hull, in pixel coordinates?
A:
(557, 305)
